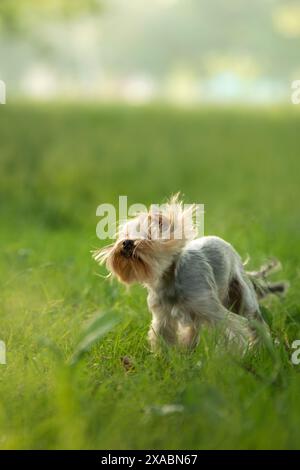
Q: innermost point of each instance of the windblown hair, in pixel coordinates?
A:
(157, 236)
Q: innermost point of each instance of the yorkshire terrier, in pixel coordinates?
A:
(190, 281)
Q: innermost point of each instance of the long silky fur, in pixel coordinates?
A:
(190, 281)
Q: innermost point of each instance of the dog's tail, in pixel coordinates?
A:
(261, 284)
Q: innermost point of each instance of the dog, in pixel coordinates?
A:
(190, 281)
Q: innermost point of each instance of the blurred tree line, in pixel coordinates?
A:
(17, 15)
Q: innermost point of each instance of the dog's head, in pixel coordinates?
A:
(147, 244)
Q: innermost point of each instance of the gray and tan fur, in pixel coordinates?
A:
(190, 281)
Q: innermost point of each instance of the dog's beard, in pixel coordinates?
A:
(147, 262)
(133, 268)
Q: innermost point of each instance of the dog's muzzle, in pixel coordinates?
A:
(127, 248)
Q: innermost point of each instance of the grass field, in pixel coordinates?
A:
(57, 164)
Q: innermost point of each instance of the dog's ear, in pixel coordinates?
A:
(182, 217)
(159, 224)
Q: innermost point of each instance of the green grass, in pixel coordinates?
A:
(57, 164)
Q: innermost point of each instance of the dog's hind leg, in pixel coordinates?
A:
(246, 303)
(188, 335)
(237, 327)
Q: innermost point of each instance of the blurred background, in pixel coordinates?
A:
(144, 99)
(184, 52)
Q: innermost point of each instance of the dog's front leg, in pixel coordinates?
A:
(188, 335)
(162, 328)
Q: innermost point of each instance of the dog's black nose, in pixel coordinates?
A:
(127, 247)
(127, 244)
